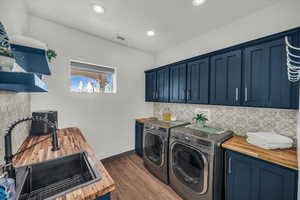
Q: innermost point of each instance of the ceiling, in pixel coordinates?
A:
(174, 21)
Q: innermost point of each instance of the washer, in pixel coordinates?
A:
(196, 164)
(156, 146)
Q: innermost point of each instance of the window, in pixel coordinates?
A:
(91, 78)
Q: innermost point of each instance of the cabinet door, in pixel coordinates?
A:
(249, 178)
(274, 182)
(178, 83)
(139, 131)
(256, 75)
(238, 177)
(266, 82)
(163, 87)
(150, 86)
(226, 72)
(281, 92)
(198, 81)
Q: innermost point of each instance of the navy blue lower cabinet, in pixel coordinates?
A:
(139, 128)
(238, 177)
(105, 197)
(249, 178)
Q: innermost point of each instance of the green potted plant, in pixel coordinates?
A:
(51, 54)
(200, 119)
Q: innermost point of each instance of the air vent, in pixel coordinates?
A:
(120, 38)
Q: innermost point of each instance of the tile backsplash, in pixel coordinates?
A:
(238, 119)
(13, 106)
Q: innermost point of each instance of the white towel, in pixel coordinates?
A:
(269, 140)
(270, 137)
(266, 145)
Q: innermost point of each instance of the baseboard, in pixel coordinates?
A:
(115, 157)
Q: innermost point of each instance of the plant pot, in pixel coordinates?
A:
(6, 63)
(200, 123)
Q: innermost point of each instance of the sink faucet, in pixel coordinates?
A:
(8, 142)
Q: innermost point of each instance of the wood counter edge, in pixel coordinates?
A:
(283, 157)
(143, 120)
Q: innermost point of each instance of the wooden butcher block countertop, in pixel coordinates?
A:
(71, 141)
(143, 120)
(286, 157)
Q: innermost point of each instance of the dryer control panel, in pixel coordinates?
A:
(194, 141)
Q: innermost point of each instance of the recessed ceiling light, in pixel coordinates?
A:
(98, 9)
(150, 33)
(198, 2)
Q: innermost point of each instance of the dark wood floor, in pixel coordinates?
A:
(134, 182)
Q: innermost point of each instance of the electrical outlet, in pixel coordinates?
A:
(204, 111)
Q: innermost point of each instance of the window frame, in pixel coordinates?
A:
(114, 77)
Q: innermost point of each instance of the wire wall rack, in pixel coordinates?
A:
(293, 61)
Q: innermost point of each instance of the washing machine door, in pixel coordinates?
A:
(190, 167)
(154, 147)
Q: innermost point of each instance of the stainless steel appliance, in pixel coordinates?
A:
(196, 163)
(156, 142)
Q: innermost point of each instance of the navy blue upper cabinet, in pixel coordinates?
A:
(163, 86)
(265, 77)
(198, 81)
(151, 93)
(178, 83)
(157, 85)
(255, 75)
(226, 72)
(248, 178)
(250, 74)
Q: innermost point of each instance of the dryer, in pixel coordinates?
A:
(156, 146)
(196, 163)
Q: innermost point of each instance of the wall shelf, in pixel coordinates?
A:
(31, 59)
(21, 82)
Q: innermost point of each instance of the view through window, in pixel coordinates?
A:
(91, 78)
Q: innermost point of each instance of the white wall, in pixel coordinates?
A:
(107, 120)
(14, 16)
(13, 106)
(279, 17)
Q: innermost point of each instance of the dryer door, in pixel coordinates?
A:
(190, 167)
(154, 148)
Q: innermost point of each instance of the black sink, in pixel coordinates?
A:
(54, 178)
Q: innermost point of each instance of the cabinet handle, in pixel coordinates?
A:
(188, 95)
(236, 94)
(153, 95)
(229, 165)
(246, 94)
(157, 94)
